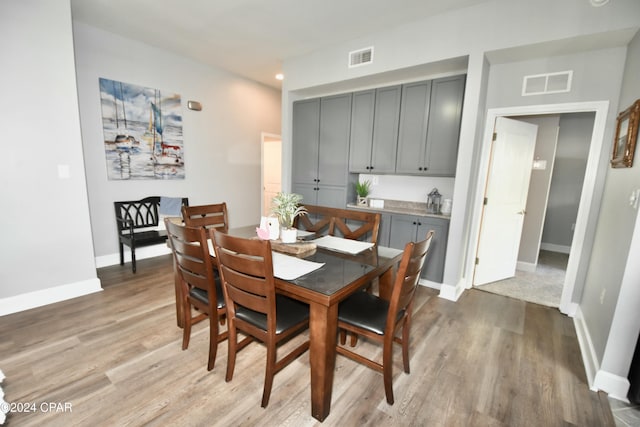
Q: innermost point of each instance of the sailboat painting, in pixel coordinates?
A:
(142, 130)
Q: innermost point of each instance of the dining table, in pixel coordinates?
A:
(340, 275)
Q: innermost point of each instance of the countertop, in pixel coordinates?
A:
(400, 207)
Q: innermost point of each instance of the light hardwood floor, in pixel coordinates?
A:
(115, 357)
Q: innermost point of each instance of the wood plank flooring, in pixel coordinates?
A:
(115, 357)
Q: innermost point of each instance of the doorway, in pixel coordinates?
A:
(271, 170)
(589, 197)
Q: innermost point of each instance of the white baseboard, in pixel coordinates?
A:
(42, 297)
(430, 284)
(589, 358)
(555, 248)
(450, 292)
(614, 385)
(526, 266)
(141, 253)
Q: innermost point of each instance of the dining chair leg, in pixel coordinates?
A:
(405, 344)
(387, 365)
(186, 330)
(213, 342)
(231, 356)
(269, 373)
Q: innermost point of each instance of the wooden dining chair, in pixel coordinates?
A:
(350, 224)
(208, 216)
(379, 320)
(201, 286)
(253, 307)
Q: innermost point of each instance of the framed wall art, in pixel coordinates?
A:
(142, 130)
(624, 145)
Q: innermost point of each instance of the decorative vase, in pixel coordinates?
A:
(362, 201)
(288, 235)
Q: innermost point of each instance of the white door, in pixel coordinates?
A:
(505, 200)
(271, 170)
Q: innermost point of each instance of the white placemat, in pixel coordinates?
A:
(342, 245)
(290, 268)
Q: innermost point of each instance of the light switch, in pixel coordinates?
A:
(539, 164)
(633, 199)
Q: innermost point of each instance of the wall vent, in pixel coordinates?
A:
(361, 57)
(542, 84)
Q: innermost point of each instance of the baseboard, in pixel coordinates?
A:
(450, 292)
(589, 358)
(614, 385)
(141, 253)
(47, 296)
(526, 266)
(555, 248)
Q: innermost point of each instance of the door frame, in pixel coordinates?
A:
(266, 137)
(590, 197)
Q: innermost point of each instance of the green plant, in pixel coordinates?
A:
(363, 188)
(286, 206)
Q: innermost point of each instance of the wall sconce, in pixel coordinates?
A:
(194, 105)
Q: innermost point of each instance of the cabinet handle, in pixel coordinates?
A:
(419, 223)
(367, 167)
(414, 223)
(371, 167)
(420, 168)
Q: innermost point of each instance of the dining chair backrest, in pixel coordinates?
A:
(208, 216)
(246, 267)
(407, 277)
(200, 286)
(350, 224)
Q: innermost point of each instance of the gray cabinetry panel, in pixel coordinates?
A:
(333, 147)
(412, 135)
(305, 137)
(445, 113)
(407, 228)
(361, 131)
(321, 129)
(385, 130)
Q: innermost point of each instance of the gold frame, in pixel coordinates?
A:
(624, 144)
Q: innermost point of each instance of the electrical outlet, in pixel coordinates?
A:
(602, 294)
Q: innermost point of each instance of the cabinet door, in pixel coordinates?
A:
(445, 113)
(412, 135)
(305, 136)
(384, 232)
(385, 130)
(433, 268)
(308, 192)
(361, 131)
(333, 147)
(333, 197)
(403, 230)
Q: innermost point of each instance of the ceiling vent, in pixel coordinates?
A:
(361, 57)
(542, 84)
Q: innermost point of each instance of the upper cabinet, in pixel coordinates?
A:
(321, 128)
(374, 132)
(430, 127)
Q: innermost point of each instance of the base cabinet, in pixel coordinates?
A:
(408, 228)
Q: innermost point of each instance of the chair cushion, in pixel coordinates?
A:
(365, 311)
(203, 296)
(288, 313)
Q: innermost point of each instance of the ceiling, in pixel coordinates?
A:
(252, 37)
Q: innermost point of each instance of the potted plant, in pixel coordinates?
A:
(362, 189)
(286, 206)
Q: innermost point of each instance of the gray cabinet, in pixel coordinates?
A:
(320, 136)
(384, 233)
(430, 127)
(374, 134)
(408, 228)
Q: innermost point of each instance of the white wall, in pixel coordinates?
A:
(611, 293)
(222, 142)
(46, 241)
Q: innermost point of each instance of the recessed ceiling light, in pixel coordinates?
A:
(279, 76)
(598, 3)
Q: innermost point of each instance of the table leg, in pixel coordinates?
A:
(323, 325)
(385, 283)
